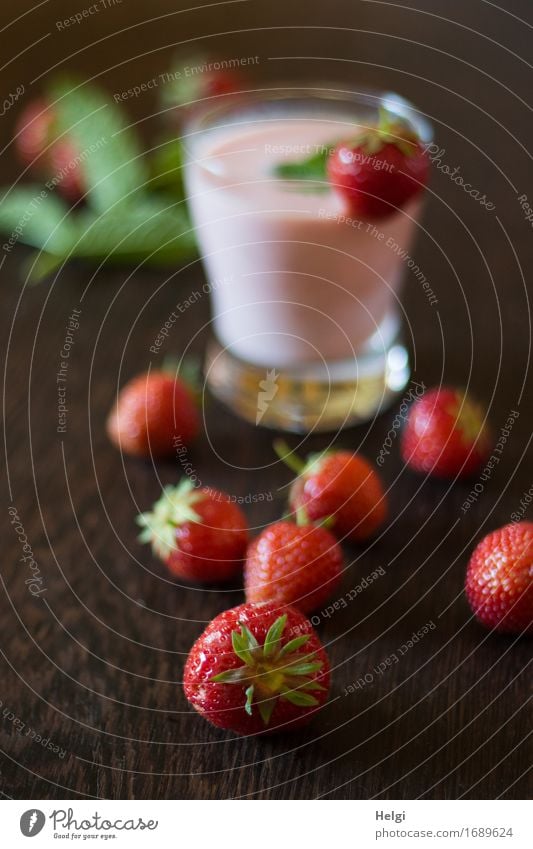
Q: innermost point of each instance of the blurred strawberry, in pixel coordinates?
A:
(499, 579)
(446, 434)
(53, 158)
(381, 169)
(151, 413)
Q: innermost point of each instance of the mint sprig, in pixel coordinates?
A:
(313, 168)
(389, 129)
(134, 209)
(108, 150)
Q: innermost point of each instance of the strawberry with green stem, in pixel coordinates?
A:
(340, 487)
(200, 534)
(257, 668)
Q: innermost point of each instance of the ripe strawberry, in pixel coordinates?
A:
(382, 169)
(446, 434)
(499, 579)
(293, 564)
(152, 412)
(199, 534)
(339, 486)
(257, 668)
(52, 157)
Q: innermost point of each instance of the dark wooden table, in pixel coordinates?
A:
(91, 699)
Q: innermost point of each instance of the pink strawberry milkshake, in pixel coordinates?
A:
(295, 281)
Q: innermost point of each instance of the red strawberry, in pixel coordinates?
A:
(257, 668)
(152, 413)
(54, 158)
(293, 564)
(382, 169)
(499, 579)
(446, 434)
(199, 534)
(341, 486)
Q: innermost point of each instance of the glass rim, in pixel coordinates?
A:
(210, 115)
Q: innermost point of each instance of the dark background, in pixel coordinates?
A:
(94, 664)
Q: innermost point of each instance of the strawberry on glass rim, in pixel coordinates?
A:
(200, 534)
(379, 171)
(257, 668)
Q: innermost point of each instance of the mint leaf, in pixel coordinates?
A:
(312, 168)
(40, 266)
(108, 152)
(36, 217)
(166, 167)
(147, 231)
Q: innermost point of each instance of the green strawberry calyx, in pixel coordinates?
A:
(273, 670)
(389, 130)
(300, 467)
(469, 420)
(175, 507)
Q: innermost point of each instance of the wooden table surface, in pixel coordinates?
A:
(91, 703)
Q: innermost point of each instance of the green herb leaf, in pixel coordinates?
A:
(35, 216)
(40, 266)
(166, 167)
(312, 168)
(108, 152)
(148, 230)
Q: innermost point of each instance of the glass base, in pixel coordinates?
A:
(311, 397)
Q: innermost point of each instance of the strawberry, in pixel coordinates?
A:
(499, 579)
(152, 412)
(339, 486)
(293, 564)
(52, 157)
(257, 668)
(382, 169)
(199, 534)
(446, 434)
